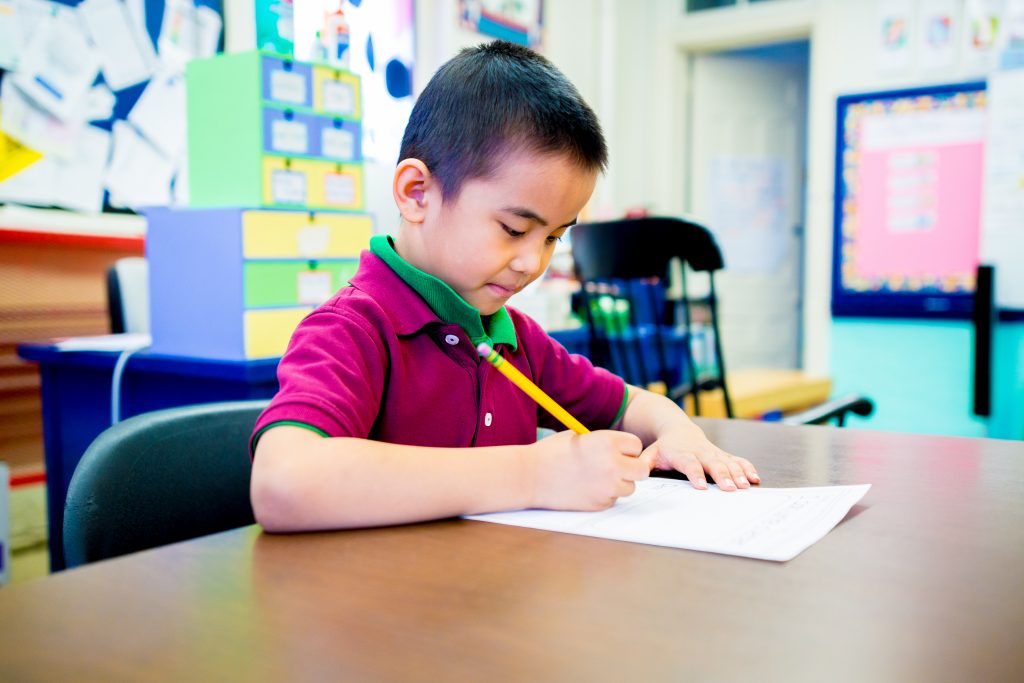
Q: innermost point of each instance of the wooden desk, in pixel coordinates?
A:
(756, 391)
(921, 582)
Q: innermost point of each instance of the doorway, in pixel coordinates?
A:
(746, 151)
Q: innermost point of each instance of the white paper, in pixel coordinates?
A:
(749, 200)
(107, 342)
(762, 523)
(289, 136)
(138, 175)
(893, 50)
(126, 53)
(937, 33)
(33, 126)
(18, 22)
(74, 183)
(1002, 237)
(314, 287)
(288, 187)
(340, 189)
(288, 87)
(981, 34)
(98, 103)
(59, 65)
(313, 240)
(337, 143)
(160, 113)
(187, 32)
(338, 97)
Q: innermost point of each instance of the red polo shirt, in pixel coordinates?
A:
(377, 362)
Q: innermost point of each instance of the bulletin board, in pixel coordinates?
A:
(908, 201)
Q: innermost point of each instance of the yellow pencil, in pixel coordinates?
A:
(531, 389)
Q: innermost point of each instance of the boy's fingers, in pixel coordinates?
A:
(720, 473)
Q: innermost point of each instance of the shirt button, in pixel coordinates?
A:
(488, 419)
(451, 340)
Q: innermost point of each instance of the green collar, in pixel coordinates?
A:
(444, 301)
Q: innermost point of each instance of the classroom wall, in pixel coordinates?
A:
(629, 60)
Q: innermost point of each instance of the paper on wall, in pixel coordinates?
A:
(160, 113)
(18, 22)
(98, 104)
(30, 124)
(138, 175)
(59, 65)
(937, 33)
(188, 32)
(125, 50)
(75, 183)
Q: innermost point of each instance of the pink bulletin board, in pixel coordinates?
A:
(909, 174)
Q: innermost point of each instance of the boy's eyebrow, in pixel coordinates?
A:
(531, 215)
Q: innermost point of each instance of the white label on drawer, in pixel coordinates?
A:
(339, 98)
(288, 86)
(314, 287)
(339, 189)
(338, 143)
(288, 187)
(289, 136)
(313, 240)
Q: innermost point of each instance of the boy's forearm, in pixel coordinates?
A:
(347, 483)
(650, 416)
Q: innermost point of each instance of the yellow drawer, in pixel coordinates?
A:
(336, 92)
(312, 184)
(334, 186)
(279, 234)
(267, 331)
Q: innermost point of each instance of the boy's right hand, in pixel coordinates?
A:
(586, 471)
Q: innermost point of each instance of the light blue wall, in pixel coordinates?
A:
(919, 374)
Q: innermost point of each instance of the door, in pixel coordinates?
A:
(746, 154)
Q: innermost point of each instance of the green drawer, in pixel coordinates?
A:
(293, 283)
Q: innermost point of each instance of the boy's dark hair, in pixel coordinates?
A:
(490, 99)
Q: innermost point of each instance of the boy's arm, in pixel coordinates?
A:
(303, 482)
(676, 443)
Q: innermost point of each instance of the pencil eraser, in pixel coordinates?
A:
(483, 348)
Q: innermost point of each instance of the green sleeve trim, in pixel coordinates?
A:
(288, 423)
(622, 408)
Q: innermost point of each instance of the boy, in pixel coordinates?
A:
(382, 390)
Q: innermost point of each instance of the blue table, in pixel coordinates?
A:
(76, 394)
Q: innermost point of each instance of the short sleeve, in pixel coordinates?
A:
(332, 375)
(593, 395)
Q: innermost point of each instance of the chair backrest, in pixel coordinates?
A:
(159, 478)
(619, 259)
(128, 295)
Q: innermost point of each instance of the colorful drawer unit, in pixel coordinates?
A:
(267, 131)
(232, 284)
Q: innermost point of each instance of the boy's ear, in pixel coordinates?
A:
(411, 184)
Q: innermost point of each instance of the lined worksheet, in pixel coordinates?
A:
(762, 523)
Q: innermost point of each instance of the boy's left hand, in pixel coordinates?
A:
(686, 449)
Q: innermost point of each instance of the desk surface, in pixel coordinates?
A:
(921, 581)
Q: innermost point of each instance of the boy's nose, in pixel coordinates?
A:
(527, 261)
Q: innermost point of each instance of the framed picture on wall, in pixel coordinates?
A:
(908, 199)
(517, 22)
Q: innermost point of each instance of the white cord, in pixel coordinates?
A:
(116, 380)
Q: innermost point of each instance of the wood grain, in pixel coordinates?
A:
(923, 581)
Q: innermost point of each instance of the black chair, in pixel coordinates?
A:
(652, 340)
(645, 337)
(128, 295)
(159, 478)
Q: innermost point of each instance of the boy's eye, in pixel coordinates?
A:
(511, 232)
(554, 238)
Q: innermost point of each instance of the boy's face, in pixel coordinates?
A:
(498, 234)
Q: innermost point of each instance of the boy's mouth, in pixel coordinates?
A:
(502, 290)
